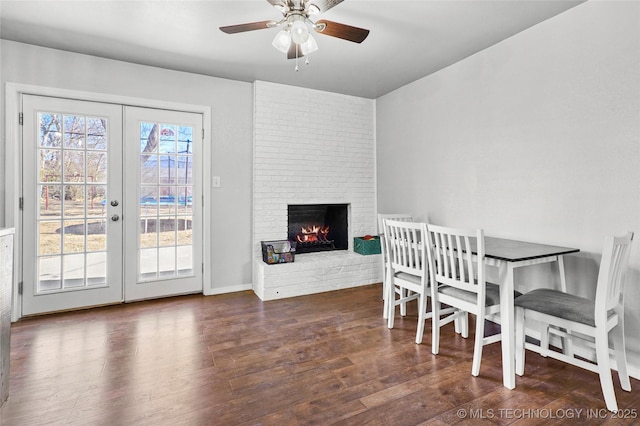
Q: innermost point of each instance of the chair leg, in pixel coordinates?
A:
(403, 306)
(435, 327)
(464, 324)
(567, 343)
(544, 339)
(461, 324)
(606, 382)
(520, 339)
(385, 299)
(385, 306)
(621, 356)
(391, 304)
(422, 312)
(477, 349)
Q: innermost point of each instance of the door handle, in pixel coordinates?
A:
(114, 203)
(115, 218)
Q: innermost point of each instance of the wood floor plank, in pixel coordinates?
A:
(315, 360)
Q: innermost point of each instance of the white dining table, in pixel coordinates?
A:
(507, 255)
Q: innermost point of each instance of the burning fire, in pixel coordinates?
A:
(312, 233)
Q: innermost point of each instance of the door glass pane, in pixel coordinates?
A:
(73, 166)
(50, 130)
(165, 203)
(50, 165)
(185, 235)
(74, 201)
(167, 256)
(97, 167)
(96, 238)
(73, 271)
(50, 273)
(148, 264)
(74, 134)
(50, 206)
(149, 201)
(96, 133)
(96, 268)
(50, 237)
(72, 176)
(97, 202)
(185, 254)
(73, 236)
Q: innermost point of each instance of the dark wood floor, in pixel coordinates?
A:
(313, 360)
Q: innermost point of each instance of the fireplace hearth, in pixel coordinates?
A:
(318, 227)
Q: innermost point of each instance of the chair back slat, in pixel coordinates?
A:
(453, 260)
(405, 246)
(612, 274)
(403, 217)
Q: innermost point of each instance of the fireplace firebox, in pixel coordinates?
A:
(318, 227)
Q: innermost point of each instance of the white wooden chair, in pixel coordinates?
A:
(458, 280)
(405, 217)
(592, 319)
(408, 270)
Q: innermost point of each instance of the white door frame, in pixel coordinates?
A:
(13, 161)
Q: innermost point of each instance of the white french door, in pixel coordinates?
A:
(163, 202)
(108, 212)
(72, 163)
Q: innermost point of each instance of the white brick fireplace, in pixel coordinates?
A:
(312, 147)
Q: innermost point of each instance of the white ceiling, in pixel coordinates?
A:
(408, 39)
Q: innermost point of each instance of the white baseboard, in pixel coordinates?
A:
(228, 289)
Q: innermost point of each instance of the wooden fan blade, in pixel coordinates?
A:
(232, 29)
(324, 5)
(345, 32)
(291, 54)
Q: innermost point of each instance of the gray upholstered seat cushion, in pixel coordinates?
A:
(559, 304)
(408, 277)
(492, 296)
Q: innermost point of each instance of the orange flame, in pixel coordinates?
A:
(312, 233)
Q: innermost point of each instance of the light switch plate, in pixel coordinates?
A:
(215, 181)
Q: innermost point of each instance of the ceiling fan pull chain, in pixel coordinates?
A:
(297, 69)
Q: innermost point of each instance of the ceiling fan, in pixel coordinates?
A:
(294, 38)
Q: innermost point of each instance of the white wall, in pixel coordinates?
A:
(535, 138)
(231, 104)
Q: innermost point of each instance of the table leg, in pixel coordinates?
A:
(507, 324)
(563, 278)
(567, 347)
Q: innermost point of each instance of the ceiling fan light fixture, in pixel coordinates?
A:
(294, 36)
(299, 31)
(282, 41)
(309, 47)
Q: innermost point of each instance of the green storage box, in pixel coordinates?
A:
(366, 247)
